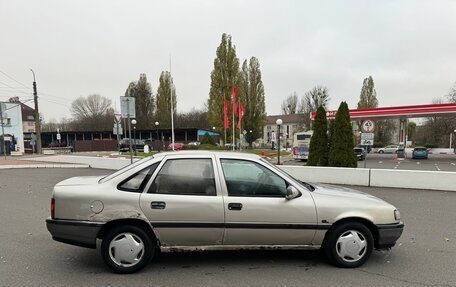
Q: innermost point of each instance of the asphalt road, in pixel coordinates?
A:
(437, 162)
(424, 256)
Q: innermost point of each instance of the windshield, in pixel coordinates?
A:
(297, 181)
(124, 169)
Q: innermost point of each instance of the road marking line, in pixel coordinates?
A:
(382, 162)
(453, 163)
(418, 162)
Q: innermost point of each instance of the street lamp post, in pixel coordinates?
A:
(133, 122)
(279, 123)
(156, 126)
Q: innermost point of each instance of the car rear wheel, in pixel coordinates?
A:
(349, 245)
(127, 249)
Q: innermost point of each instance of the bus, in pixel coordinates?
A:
(301, 143)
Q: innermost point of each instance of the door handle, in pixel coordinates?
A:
(234, 206)
(158, 205)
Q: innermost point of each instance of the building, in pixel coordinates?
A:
(11, 130)
(290, 125)
(28, 119)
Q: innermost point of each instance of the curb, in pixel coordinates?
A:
(16, 166)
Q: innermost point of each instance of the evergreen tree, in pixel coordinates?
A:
(318, 149)
(223, 77)
(341, 153)
(165, 89)
(144, 101)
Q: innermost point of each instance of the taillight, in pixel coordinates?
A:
(52, 208)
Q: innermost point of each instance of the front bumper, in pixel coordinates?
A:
(74, 232)
(388, 234)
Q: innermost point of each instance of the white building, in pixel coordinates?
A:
(291, 124)
(12, 127)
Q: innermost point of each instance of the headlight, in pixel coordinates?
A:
(397, 214)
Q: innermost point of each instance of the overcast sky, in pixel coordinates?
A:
(82, 47)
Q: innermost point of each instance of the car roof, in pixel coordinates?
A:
(208, 153)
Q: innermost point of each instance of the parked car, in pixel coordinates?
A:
(367, 148)
(137, 144)
(388, 149)
(360, 153)
(177, 146)
(420, 153)
(194, 143)
(194, 200)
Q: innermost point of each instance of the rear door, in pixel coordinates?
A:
(184, 203)
(257, 212)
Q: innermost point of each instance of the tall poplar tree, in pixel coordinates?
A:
(144, 101)
(252, 100)
(165, 89)
(318, 149)
(223, 77)
(368, 96)
(384, 129)
(341, 153)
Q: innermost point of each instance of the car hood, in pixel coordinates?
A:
(339, 191)
(80, 180)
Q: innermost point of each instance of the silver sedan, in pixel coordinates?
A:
(216, 200)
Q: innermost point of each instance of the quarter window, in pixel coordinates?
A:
(138, 181)
(246, 178)
(186, 177)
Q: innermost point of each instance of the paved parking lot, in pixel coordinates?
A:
(435, 162)
(424, 256)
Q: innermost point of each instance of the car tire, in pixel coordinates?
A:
(381, 151)
(127, 249)
(348, 245)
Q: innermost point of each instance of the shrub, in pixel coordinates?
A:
(207, 139)
(341, 153)
(318, 149)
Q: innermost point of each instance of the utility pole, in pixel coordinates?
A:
(37, 116)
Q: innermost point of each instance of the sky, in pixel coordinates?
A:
(78, 48)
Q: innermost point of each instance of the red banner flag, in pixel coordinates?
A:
(225, 114)
(241, 115)
(233, 100)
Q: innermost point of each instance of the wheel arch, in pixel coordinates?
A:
(369, 224)
(132, 222)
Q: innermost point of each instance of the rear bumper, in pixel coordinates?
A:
(74, 232)
(388, 234)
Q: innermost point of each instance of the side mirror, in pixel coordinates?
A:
(292, 193)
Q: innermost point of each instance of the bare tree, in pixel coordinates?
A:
(314, 98)
(92, 113)
(452, 94)
(195, 118)
(92, 107)
(290, 105)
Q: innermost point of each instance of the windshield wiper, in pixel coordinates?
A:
(308, 185)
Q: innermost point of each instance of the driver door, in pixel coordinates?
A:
(256, 210)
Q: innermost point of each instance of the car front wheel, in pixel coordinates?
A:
(127, 249)
(349, 245)
(381, 151)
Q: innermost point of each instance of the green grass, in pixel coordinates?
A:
(267, 152)
(139, 153)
